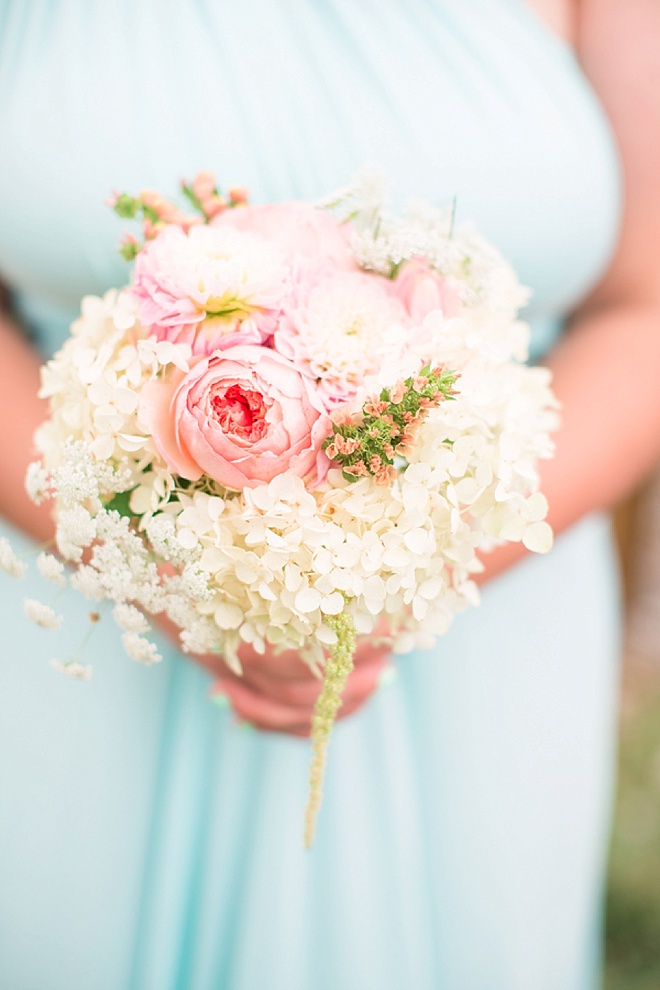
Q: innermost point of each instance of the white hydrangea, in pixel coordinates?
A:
(93, 383)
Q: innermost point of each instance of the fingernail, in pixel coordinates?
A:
(388, 675)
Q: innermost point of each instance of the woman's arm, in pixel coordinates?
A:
(607, 365)
(21, 412)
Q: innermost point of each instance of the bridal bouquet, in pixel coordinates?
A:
(294, 423)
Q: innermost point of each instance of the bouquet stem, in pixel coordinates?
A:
(337, 668)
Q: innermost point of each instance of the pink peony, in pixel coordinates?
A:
(211, 287)
(242, 416)
(422, 290)
(297, 229)
(335, 326)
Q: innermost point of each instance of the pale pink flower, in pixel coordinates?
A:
(335, 326)
(297, 229)
(164, 209)
(238, 195)
(385, 475)
(211, 287)
(203, 185)
(241, 416)
(421, 290)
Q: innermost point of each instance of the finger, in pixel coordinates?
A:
(263, 711)
(363, 681)
(348, 707)
(303, 729)
(291, 709)
(288, 664)
(367, 652)
(303, 693)
(285, 665)
(290, 668)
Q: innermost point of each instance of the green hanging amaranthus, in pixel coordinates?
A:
(337, 668)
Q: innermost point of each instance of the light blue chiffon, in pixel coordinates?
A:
(146, 841)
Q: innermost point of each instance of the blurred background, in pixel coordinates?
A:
(633, 896)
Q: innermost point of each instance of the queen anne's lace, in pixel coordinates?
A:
(10, 562)
(51, 568)
(274, 564)
(73, 668)
(41, 614)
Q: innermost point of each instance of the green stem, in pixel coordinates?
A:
(95, 618)
(337, 668)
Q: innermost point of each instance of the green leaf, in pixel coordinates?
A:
(126, 206)
(129, 250)
(193, 199)
(121, 503)
(149, 213)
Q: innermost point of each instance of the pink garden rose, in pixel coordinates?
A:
(421, 289)
(297, 229)
(210, 287)
(335, 326)
(242, 416)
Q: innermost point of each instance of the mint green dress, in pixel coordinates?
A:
(147, 842)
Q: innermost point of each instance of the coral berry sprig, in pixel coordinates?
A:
(156, 212)
(368, 442)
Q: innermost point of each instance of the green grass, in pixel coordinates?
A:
(633, 899)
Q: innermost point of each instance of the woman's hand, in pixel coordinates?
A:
(277, 693)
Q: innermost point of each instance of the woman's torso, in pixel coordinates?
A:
(476, 101)
(141, 833)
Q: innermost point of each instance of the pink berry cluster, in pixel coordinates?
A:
(156, 212)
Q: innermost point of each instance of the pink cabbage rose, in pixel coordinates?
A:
(335, 326)
(421, 290)
(298, 229)
(210, 287)
(242, 416)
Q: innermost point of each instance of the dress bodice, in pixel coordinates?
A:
(476, 101)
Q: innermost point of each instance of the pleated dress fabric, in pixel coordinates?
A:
(148, 842)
